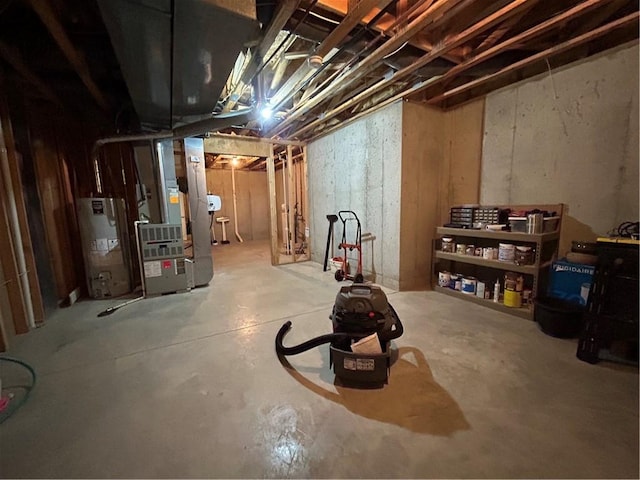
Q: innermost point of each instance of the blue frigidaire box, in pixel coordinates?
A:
(571, 281)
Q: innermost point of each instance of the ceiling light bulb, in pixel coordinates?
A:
(266, 113)
(235, 162)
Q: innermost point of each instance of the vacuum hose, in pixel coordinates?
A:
(309, 344)
(399, 330)
(330, 337)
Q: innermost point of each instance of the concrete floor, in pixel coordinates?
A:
(189, 385)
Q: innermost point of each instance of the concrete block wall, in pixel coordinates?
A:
(568, 137)
(252, 202)
(359, 168)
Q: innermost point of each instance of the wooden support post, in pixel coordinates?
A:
(285, 202)
(273, 211)
(305, 197)
(291, 202)
(46, 13)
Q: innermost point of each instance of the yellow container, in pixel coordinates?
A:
(512, 299)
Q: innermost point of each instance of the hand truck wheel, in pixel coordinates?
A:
(339, 275)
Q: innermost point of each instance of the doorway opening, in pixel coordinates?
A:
(262, 186)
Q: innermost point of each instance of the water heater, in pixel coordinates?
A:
(105, 248)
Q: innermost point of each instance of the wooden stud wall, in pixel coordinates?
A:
(10, 269)
(8, 143)
(54, 189)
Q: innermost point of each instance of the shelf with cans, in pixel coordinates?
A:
(469, 262)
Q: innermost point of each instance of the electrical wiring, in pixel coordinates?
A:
(626, 230)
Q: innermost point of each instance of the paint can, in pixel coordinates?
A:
(513, 281)
(478, 252)
(448, 245)
(470, 250)
(453, 278)
(443, 279)
(487, 253)
(469, 285)
(480, 288)
(461, 248)
(506, 252)
(512, 298)
(523, 255)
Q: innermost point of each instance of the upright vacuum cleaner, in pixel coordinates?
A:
(362, 318)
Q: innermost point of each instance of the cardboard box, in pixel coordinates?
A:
(570, 281)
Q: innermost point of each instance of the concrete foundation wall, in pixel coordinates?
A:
(252, 202)
(358, 168)
(570, 137)
(415, 161)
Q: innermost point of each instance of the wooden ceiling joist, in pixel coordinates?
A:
(601, 16)
(45, 12)
(13, 58)
(353, 18)
(333, 40)
(369, 62)
(512, 8)
(285, 10)
(625, 21)
(555, 22)
(501, 31)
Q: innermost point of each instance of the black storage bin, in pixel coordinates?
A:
(557, 317)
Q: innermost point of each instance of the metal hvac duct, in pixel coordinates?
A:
(176, 55)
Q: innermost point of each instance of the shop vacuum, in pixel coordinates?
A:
(364, 323)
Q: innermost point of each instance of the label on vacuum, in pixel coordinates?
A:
(365, 364)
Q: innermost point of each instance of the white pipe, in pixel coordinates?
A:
(235, 210)
(133, 138)
(17, 238)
